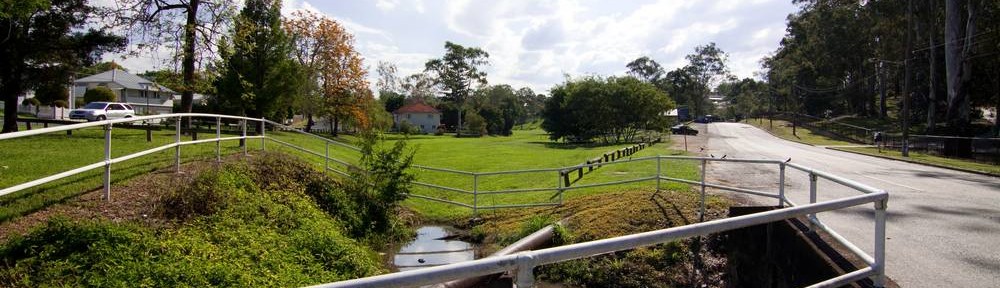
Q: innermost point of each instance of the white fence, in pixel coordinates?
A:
(524, 262)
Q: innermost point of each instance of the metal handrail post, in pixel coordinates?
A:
(475, 195)
(263, 135)
(812, 198)
(559, 186)
(658, 175)
(177, 149)
(781, 185)
(525, 273)
(880, 215)
(107, 162)
(701, 217)
(244, 140)
(218, 139)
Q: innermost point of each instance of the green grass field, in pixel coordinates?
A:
(26, 159)
(783, 129)
(34, 157)
(526, 149)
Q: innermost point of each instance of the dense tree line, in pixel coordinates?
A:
(608, 110)
(456, 85)
(935, 61)
(688, 85)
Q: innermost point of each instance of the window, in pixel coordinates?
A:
(421, 127)
(115, 107)
(430, 116)
(408, 116)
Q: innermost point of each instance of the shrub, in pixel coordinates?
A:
(60, 104)
(50, 92)
(380, 184)
(475, 123)
(408, 128)
(79, 103)
(99, 94)
(210, 192)
(32, 102)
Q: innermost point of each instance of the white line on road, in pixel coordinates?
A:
(893, 183)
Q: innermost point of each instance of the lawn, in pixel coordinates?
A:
(38, 156)
(526, 149)
(929, 159)
(783, 129)
(34, 157)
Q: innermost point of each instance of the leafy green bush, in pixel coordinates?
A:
(378, 186)
(49, 93)
(60, 104)
(79, 103)
(99, 94)
(256, 227)
(408, 128)
(474, 123)
(32, 102)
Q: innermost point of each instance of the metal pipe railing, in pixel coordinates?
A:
(524, 262)
(876, 263)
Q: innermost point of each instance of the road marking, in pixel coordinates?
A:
(893, 183)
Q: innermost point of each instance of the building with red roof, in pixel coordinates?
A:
(418, 114)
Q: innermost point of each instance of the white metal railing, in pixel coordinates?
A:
(525, 261)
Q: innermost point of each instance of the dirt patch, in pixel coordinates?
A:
(135, 200)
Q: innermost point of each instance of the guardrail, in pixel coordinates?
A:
(524, 262)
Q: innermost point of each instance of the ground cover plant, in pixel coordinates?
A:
(248, 223)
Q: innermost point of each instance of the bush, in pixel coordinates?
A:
(234, 227)
(60, 104)
(79, 103)
(610, 110)
(32, 102)
(99, 94)
(379, 185)
(49, 93)
(408, 128)
(475, 123)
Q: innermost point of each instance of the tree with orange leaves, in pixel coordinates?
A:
(326, 50)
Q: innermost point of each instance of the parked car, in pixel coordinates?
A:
(97, 111)
(681, 129)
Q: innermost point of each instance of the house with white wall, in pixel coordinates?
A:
(146, 96)
(419, 115)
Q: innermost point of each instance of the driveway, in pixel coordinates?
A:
(943, 226)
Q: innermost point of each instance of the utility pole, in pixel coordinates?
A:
(906, 81)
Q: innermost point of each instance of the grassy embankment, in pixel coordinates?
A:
(30, 158)
(929, 159)
(526, 149)
(630, 204)
(246, 224)
(783, 129)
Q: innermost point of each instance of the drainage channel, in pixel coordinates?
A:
(433, 246)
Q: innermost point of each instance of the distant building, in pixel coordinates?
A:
(419, 115)
(718, 100)
(146, 96)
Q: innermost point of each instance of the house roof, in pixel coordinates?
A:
(416, 107)
(124, 79)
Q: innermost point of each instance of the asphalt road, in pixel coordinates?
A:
(943, 226)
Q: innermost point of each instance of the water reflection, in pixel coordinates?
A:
(430, 249)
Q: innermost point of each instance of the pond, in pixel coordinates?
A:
(433, 246)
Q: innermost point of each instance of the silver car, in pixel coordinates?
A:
(97, 111)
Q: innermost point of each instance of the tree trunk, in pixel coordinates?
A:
(10, 109)
(309, 122)
(187, 65)
(336, 124)
(905, 115)
(882, 112)
(932, 91)
(956, 66)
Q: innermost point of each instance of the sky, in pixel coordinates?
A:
(536, 43)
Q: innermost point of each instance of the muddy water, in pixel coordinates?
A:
(432, 247)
